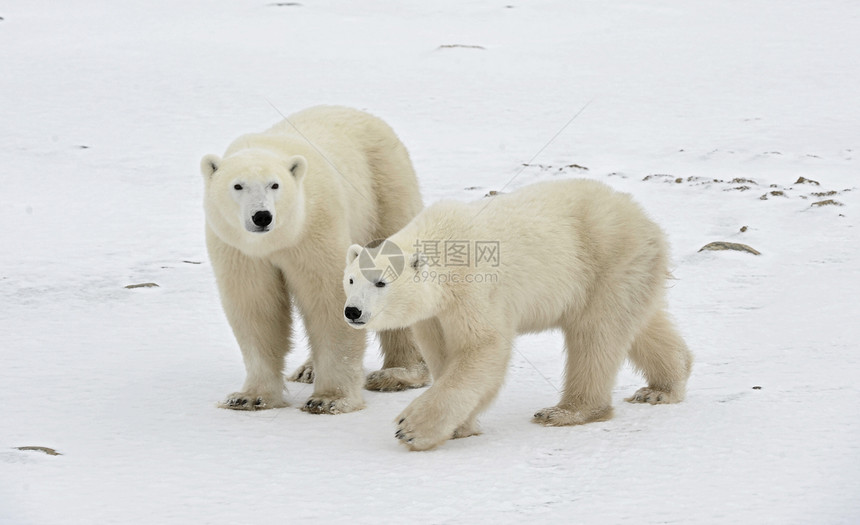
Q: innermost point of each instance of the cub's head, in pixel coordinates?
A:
(254, 199)
(383, 287)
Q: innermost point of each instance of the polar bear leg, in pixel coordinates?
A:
(257, 305)
(338, 353)
(662, 356)
(430, 339)
(596, 348)
(398, 201)
(402, 366)
(471, 379)
(471, 427)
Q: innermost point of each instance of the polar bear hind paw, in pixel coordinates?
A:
(562, 417)
(250, 401)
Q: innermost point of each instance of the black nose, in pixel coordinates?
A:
(262, 218)
(352, 313)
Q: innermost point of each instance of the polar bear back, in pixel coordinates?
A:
(558, 242)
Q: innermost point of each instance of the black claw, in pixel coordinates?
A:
(401, 421)
(243, 402)
(314, 406)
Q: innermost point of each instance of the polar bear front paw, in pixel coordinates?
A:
(304, 373)
(654, 396)
(419, 440)
(398, 378)
(332, 405)
(561, 417)
(470, 428)
(251, 401)
(419, 431)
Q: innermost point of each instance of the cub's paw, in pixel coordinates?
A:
(251, 401)
(304, 373)
(417, 439)
(332, 405)
(419, 431)
(562, 417)
(654, 396)
(398, 378)
(466, 429)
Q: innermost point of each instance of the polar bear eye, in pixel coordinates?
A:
(380, 284)
(237, 187)
(275, 186)
(350, 280)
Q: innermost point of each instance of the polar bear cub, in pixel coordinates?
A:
(282, 206)
(571, 254)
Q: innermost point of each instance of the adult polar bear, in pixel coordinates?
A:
(573, 255)
(282, 207)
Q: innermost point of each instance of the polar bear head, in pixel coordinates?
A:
(254, 199)
(384, 288)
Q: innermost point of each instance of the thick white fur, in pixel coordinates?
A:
(573, 255)
(328, 177)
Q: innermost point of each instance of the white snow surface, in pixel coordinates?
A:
(106, 108)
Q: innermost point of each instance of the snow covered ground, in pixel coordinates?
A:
(106, 108)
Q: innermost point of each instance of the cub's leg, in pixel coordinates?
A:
(257, 305)
(470, 375)
(430, 343)
(598, 340)
(402, 366)
(595, 353)
(661, 354)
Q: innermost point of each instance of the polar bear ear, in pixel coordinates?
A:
(417, 260)
(352, 253)
(298, 166)
(209, 165)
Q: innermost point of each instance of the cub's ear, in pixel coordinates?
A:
(352, 253)
(417, 260)
(209, 165)
(298, 166)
